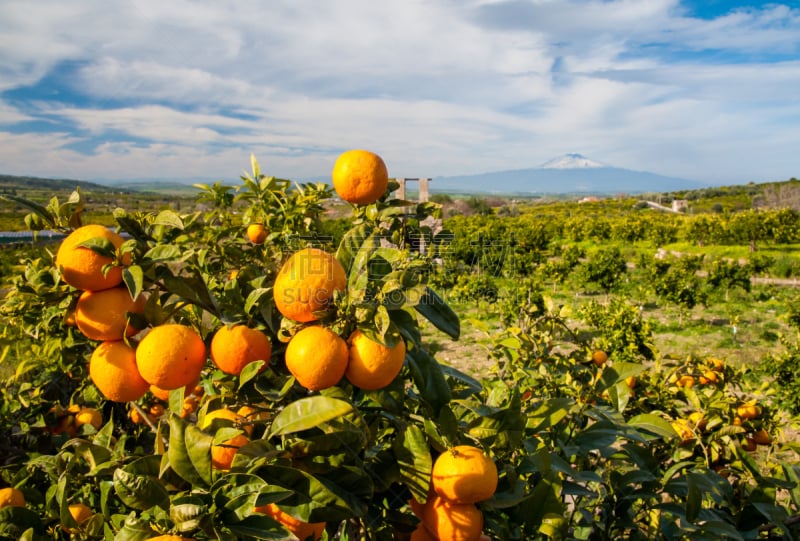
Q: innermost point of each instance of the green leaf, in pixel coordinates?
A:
(308, 413)
(250, 371)
(549, 414)
(198, 445)
(34, 207)
(178, 453)
(135, 528)
(169, 218)
(651, 423)
(139, 491)
(259, 527)
(429, 379)
(100, 245)
(351, 243)
(435, 310)
(163, 252)
(133, 277)
(254, 297)
(414, 460)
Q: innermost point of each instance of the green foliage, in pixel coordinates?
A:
(583, 451)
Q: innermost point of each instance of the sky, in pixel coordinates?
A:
(179, 89)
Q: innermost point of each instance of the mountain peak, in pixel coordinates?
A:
(570, 161)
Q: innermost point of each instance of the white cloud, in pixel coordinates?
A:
(438, 87)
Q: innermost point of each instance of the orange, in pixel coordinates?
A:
(171, 356)
(257, 233)
(233, 348)
(748, 411)
(762, 437)
(81, 513)
(114, 372)
(698, 419)
(169, 537)
(684, 430)
(422, 534)
(301, 530)
(11, 497)
(685, 381)
(163, 394)
(453, 521)
(82, 268)
(102, 315)
(360, 177)
(599, 357)
(317, 357)
(373, 365)
(464, 474)
(89, 416)
(222, 454)
(190, 404)
(306, 282)
(630, 382)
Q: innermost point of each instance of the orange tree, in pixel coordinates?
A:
(252, 453)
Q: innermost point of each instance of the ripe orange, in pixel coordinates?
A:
(89, 416)
(306, 283)
(257, 233)
(698, 419)
(599, 357)
(317, 357)
(169, 537)
(630, 382)
(373, 365)
(422, 534)
(222, 454)
(82, 268)
(101, 315)
(81, 513)
(453, 521)
(11, 497)
(685, 381)
(684, 430)
(762, 437)
(464, 474)
(114, 372)
(171, 356)
(163, 394)
(233, 348)
(360, 177)
(748, 411)
(301, 530)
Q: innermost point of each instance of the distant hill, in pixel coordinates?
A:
(568, 174)
(11, 182)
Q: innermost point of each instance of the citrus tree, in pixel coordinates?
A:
(230, 373)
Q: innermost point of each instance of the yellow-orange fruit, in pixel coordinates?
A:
(360, 176)
(163, 394)
(114, 372)
(422, 534)
(372, 365)
(171, 356)
(257, 233)
(301, 530)
(453, 521)
(599, 357)
(306, 282)
(762, 437)
(89, 416)
(81, 513)
(684, 430)
(233, 348)
(169, 537)
(317, 357)
(464, 474)
(222, 454)
(748, 411)
(698, 419)
(686, 381)
(102, 315)
(82, 268)
(11, 497)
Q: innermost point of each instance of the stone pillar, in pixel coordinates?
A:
(401, 191)
(423, 190)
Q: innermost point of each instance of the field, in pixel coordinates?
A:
(629, 372)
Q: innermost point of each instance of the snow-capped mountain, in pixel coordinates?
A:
(570, 161)
(567, 174)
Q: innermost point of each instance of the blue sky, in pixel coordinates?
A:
(706, 90)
